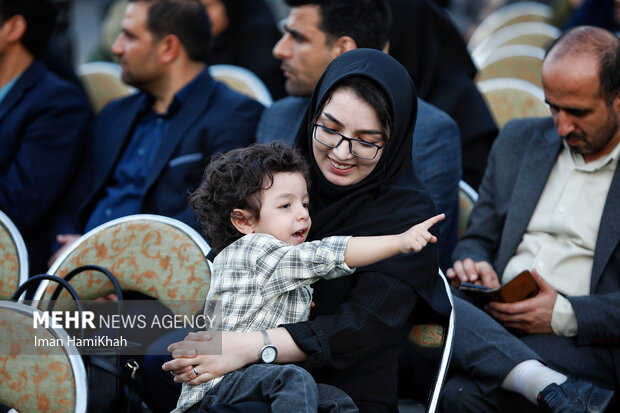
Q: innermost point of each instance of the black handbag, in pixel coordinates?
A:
(115, 381)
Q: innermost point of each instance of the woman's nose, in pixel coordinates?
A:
(342, 151)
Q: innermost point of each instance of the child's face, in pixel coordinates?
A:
(284, 211)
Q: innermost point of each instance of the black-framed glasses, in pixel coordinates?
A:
(357, 147)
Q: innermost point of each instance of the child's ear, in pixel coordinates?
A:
(243, 221)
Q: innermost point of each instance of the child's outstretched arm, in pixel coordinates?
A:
(363, 251)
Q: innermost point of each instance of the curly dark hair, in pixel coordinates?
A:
(235, 179)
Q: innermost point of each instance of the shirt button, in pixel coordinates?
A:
(141, 152)
(159, 121)
(541, 264)
(108, 212)
(562, 210)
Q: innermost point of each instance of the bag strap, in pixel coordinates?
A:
(36, 280)
(90, 267)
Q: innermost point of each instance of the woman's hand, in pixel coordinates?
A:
(212, 355)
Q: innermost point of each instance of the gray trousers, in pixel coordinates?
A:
(287, 388)
(484, 352)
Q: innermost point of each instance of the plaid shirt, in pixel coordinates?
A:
(259, 282)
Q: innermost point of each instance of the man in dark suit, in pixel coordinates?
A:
(43, 119)
(548, 202)
(150, 148)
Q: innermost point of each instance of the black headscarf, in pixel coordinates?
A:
(391, 198)
(248, 40)
(424, 39)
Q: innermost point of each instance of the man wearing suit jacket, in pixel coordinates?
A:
(150, 149)
(549, 202)
(43, 119)
(319, 31)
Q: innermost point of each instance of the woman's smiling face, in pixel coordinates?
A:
(351, 116)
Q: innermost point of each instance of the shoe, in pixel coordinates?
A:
(574, 396)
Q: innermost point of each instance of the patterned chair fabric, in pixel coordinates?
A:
(157, 256)
(13, 258)
(535, 34)
(243, 81)
(513, 61)
(520, 12)
(513, 98)
(467, 199)
(44, 378)
(102, 82)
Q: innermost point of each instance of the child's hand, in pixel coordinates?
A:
(418, 236)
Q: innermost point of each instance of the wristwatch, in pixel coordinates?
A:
(268, 353)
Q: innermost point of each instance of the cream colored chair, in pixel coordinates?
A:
(38, 378)
(467, 200)
(151, 254)
(536, 34)
(13, 258)
(513, 98)
(102, 81)
(513, 61)
(519, 12)
(243, 81)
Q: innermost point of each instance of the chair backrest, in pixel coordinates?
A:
(509, 14)
(516, 61)
(535, 34)
(13, 258)
(467, 199)
(513, 98)
(102, 81)
(243, 81)
(38, 378)
(151, 254)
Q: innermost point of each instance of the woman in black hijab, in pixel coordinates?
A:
(355, 333)
(244, 32)
(425, 41)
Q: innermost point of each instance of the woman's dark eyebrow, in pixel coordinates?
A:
(362, 131)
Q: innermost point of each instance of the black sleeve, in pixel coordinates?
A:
(377, 309)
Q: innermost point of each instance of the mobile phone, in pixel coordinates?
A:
(474, 286)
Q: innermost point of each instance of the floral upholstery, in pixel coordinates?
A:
(102, 88)
(466, 205)
(10, 265)
(521, 67)
(148, 256)
(33, 379)
(507, 104)
(427, 335)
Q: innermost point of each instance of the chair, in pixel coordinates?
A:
(102, 81)
(41, 378)
(530, 34)
(517, 61)
(243, 81)
(519, 12)
(434, 336)
(151, 254)
(513, 98)
(467, 199)
(13, 258)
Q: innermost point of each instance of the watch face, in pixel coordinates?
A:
(268, 354)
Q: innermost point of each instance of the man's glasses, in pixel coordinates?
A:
(357, 147)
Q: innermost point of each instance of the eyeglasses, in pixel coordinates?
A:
(333, 139)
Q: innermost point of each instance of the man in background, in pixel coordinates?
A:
(43, 119)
